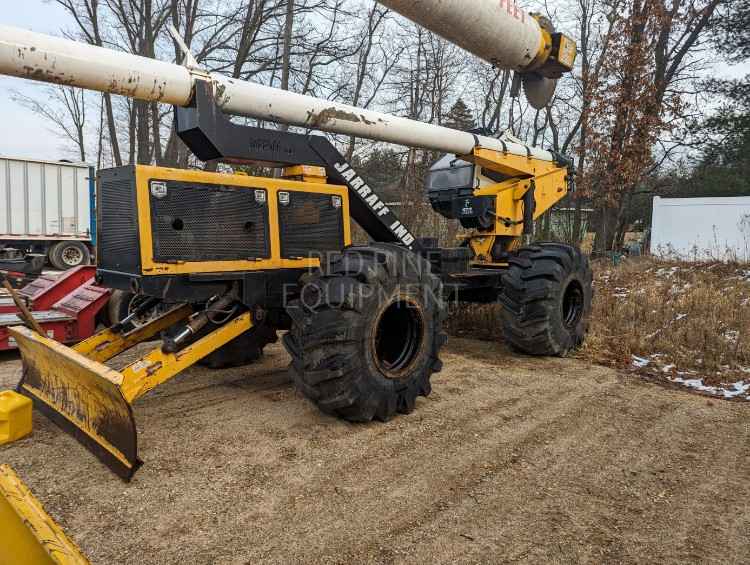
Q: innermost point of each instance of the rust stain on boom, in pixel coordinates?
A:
(333, 114)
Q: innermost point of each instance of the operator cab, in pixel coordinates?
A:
(450, 184)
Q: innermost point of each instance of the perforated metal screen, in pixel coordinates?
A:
(202, 222)
(118, 246)
(310, 224)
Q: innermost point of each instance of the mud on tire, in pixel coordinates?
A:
(546, 299)
(366, 333)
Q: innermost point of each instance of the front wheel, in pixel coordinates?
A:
(367, 332)
(122, 304)
(546, 299)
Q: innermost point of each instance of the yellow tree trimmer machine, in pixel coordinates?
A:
(247, 257)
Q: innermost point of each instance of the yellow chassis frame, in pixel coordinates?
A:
(550, 183)
(146, 174)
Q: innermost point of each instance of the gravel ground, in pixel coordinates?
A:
(511, 459)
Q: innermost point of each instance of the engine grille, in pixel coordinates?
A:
(202, 222)
(118, 246)
(310, 225)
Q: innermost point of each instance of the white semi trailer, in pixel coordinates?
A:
(47, 207)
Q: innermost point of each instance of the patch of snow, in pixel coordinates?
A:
(729, 391)
(621, 292)
(675, 290)
(640, 362)
(731, 336)
(668, 273)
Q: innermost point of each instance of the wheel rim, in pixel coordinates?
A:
(572, 304)
(72, 256)
(398, 337)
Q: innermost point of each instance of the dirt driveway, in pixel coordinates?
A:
(510, 460)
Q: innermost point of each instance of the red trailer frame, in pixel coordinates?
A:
(66, 306)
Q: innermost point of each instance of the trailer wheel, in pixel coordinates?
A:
(66, 255)
(546, 299)
(366, 333)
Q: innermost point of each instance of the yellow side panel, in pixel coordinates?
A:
(28, 535)
(145, 174)
(550, 188)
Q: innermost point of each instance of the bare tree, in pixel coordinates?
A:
(638, 98)
(64, 108)
(86, 14)
(372, 68)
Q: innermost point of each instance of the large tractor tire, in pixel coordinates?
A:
(366, 333)
(546, 299)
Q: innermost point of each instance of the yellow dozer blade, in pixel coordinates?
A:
(28, 535)
(92, 402)
(81, 396)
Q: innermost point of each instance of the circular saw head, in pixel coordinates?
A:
(539, 90)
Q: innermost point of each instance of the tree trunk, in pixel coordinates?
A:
(155, 125)
(114, 143)
(132, 133)
(286, 57)
(577, 235)
(606, 227)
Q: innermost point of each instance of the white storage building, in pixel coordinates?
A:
(701, 229)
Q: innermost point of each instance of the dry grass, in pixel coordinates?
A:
(677, 321)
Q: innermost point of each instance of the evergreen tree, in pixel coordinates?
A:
(724, 168)
(460, 117)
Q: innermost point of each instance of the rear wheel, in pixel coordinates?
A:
(242, 350)
(69, 254)
(546, 299)
(366, 333)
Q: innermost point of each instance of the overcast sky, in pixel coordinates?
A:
(24, 134)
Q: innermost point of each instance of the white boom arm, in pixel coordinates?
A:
(497, 31)
(502, 34)
(60, 61)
